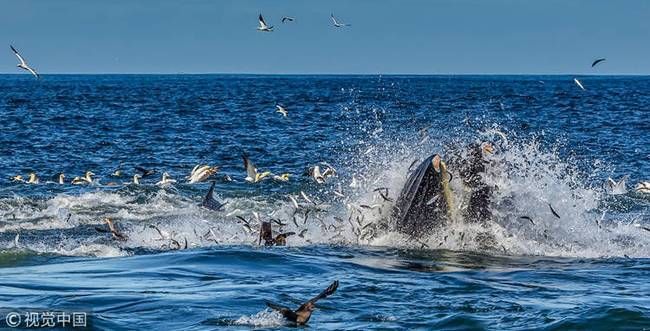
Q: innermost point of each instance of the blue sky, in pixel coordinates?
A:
(393, 36)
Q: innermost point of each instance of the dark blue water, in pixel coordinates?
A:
(555, 144)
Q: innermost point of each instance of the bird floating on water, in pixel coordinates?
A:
(33, 179)
(642, 187)
(61, 178)
(282, 177)
(18, 178)
(23, 64)
(337, 23)
(136, 179)
(166, 180)
(86, 179)
(263, 26)
(301, 315)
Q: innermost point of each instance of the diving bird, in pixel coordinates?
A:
(266, 234)
(303, 313)
(251, 171)
(593, 64)
(166, 180)
(615, 188)
(336, 23)
(112, 229)
(23, 64)
(263, 26)
(210, 202)
(281, 110)
(287, 19)
(642, 187)
(579, 83)
(86, 179)
(201, 173)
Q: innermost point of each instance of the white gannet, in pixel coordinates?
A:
(201, 173)
(642, 187)
(166, 180)
(32, 179)
(23, 64)
(282, 177)
(61, 179)
(337, 23)
(287, 19)
(86, 179)
(136, 179)
(263, 26)
(18, 178)
(579, 84)
(317, 175)
(251, 171)
(615, 188)
(281, 110)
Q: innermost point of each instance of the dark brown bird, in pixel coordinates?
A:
(111, 228)
(266, 234)
(303, 313)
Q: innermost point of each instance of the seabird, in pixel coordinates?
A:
(266, 234)
(201, 173)
(136, 179)
(86, 179)
(578, 83)
(616, 188)
(336, 23)
(642, 187)
(251, 172)
(593, 64)
(111, 228)
(281, 110)
(23, 64)
(263, 26)
(210, 201)
(282, 177)
(303, 313)
(145, 172)
(287, 19)
(166, 179)
(17, 178)
(32, 179)
(61, 179)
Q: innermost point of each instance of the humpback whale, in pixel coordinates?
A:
(425, 201)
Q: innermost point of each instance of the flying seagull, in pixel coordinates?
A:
(263, 27)
(287, 19)
(579, 84)
(23, 64)
(597, 61)
(336, 23)
(303, 313)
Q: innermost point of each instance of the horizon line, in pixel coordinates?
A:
(321, 74)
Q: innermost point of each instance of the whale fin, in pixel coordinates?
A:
(210, 202)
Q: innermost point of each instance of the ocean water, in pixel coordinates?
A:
(555, 145)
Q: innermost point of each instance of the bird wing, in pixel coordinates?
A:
(251, 171)
(22, 61)
(33, 72)
(263, 23)
(327, 292)
(334, 20)
(597, 61)
(285, 311)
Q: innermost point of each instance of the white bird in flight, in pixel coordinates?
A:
(263, 26)
(23, 64)
(579, 84)
(336, 23)
(281, 110)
